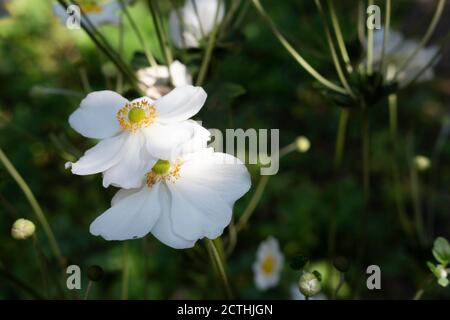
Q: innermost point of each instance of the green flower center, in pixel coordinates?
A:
(136, 115)
(161, 167)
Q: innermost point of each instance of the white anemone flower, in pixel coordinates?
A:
(135, 134)
(195, 21)
(154, 81)
(268, 265)
(399, 49)
(180, 202)
(98, 13)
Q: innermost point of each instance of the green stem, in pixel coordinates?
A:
(332, 48)
(361, 22)
(303, 63)
(417, 203)
(88, 290)
(339, 36)
(217, 260)
(387, 25)
(366, 153)
(370, 47)
(340, 138)
(34, 205)
(434, 21)
(208, 52)
(148, 53)
(125, 271)
(404, 221)
(159, 28)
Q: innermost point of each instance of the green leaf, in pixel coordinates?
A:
(298, 262)
(441, 251)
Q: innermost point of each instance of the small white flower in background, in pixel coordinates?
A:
(22, 229)
(181, 201)
(422, 163)
(297, 295)
(134, 135)
(98, 13)
(397, 50)
(195, 21)
(268, 265)
(155, 81)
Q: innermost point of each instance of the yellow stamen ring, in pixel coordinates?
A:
(136, 115)
(163, 171)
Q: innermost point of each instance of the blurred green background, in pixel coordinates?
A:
(37, 52)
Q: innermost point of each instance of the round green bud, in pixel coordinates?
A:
(95, 273)
(309, 285)
(422, 163)
(341, 263)
(161, 167)
(302, 144)
(136, 115)
(22, 229)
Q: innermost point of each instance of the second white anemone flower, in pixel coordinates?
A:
(193, 22)
(135, 134)
(268, 265)
(399, 49)
(154, 81)
(181, 201)
(97, 13)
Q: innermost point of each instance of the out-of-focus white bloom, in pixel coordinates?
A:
(181, 201)
(422, 163)
(134, 135)
(155, 81)
(22, 229)
(399, 49)
(195, 21)
(302, 144)
(268, 265)
(297, 295)
(98, 13)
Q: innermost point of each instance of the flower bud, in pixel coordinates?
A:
(22, 229)
(422, 163)
(302, 144)
(309, 285)
(95, 273)
(341, 263)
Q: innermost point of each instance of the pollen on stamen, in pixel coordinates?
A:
(136, 115)
(171, 175)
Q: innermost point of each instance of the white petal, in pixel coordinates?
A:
(209, 12)
(180, 74)
(101, 157)
(96, 116)
(163, 229)
(186, 33)
(130, 218)
(121, 194)
(134, 164)
(171, 140)
(197, 211)
(180, 104)
(221, 172)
